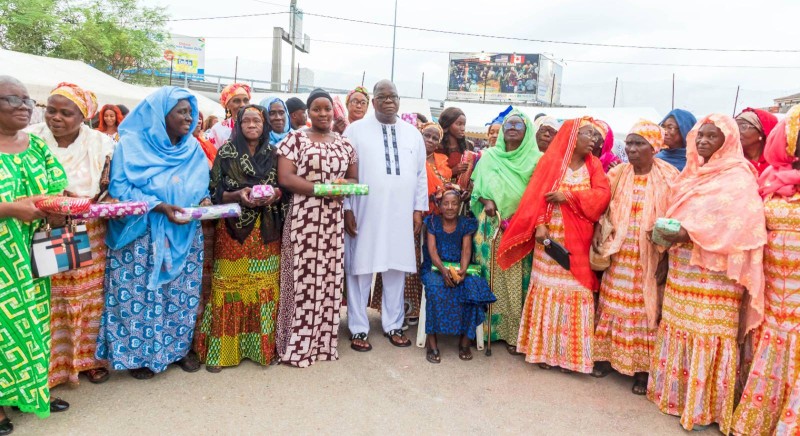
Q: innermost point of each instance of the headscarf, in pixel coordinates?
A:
(717, 202)
(651, 132)
(101, 125)
(607, 157)
(545, 120)
(502, 176)
(760, 119)
(359, 89)
(231, 90)
(685, 120)
(275, 138)
(438, 196)
(781, 178)
(85, 100)
(580, 212)
(205, 144)
(654, 205)
(501, 116)
(236, 168)
(318, 93)
(433, 124)
(148, 167)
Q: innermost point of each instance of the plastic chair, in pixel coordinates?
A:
(421, 336)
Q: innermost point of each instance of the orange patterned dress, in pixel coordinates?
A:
(771, 400)
(623, 336)
(558, 317)
(693, 367)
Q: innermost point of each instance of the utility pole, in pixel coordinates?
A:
(736, 102)
(616, 84)
(394, 37)
(293, 11)
(673, 91)
(236, 70)
(422, 89)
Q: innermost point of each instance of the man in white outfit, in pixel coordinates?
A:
(380, 227)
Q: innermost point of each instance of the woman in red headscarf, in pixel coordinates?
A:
(565, 197)
(770, 400)
(755, 125)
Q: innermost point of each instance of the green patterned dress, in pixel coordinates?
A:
(510, 286)
(25, 301)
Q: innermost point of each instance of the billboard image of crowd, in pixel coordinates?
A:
(493, 77)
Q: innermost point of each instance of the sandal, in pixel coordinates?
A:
(361, 337)
(545, 366)
(142, 373)
(639, 385)
(433, 355)
(512, 350)
(214, 369)
(601, 369)
(464, 353)
(402, 342)
(97, 375)
(566, 371)
(190, 363)
(6, 427)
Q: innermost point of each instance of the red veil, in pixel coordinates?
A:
(580, 212)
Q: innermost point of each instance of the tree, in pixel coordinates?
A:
(114, 36)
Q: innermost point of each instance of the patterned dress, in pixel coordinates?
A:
(557, 324)
(770, 403)
(77, 306)
(25, 301)
(461, 309)
(142, 328)
(509, 286)
(622, 336)
(312, 254)
(694, 362)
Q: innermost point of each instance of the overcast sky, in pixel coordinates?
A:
(772, 24)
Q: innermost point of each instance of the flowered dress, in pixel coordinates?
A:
(622, 336)
(770, 403)
(557, 324)
(461, 309)
(25, 317)
(694, 361)
(312, 254)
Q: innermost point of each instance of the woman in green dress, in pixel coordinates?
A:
(27, 171)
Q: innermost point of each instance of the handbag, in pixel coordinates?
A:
(557, 252)
(602, 231)
(58, 250)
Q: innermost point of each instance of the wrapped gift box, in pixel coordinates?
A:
(472, 269)
(324, 189)
(665, 226)
(114, 210)
(64, 205)
(261, 191)
(202, 213)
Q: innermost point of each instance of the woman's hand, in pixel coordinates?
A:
(613, 164)
(245, 200)
(70, 194)
(555, 197)
(56, 221)
(169, 210)
(542, 233)
(460, 169)
(678, 238)
(25, 210)
(490, 208)
(206, 202)
(448, 280)
(350, 225)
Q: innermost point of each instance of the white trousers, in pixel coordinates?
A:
(392, 305)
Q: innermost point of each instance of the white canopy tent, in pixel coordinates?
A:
(41, 74)
(407, 105)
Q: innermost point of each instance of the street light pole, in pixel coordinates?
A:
(394, 37)
(293, 11)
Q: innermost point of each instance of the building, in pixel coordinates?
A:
(785, 103)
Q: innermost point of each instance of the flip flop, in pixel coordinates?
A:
(433, 356)
(398, 333)
(360, 348)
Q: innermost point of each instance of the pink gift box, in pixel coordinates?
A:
(261, 191)
(114, 210)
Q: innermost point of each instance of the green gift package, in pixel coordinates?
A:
(472, 269)
(325, 189)
(665, 227)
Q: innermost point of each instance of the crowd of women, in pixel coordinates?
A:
(706, 324)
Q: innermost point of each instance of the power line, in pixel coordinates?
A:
(226, 17)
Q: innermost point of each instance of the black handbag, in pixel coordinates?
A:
(557, 252)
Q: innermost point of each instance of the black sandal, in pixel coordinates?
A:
(190, 363)
(6, 427)
(433, 355)
(512, 350)
(601, 369)
(142, 373)
(398, 333)
(640, 385)
(58, 405)
(360, 348)
(97, 375)
(464, 353)
(545, 366)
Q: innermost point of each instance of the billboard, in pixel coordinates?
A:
(504, 78)
(188, 53)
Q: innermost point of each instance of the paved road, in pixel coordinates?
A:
(385, 391)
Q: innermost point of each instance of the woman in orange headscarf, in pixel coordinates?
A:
(771, 397)
(233, 97)
(565, 197)
(715, 273)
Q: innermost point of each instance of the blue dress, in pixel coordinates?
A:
(461, 309)
(142, 328)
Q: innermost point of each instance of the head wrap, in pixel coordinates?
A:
(233, 89)
(761, 119)
(434, 124)
(685, 121)
(85, 100)
(318, 93)
(607, 156)
(545, 120)
(651, 132)
(148, 167)
(723, 190)
(101, 126)
(276, 137)
(781, 178)
(501, 116)
(502, 176)
(236, 168)
(359, 89)
(584, 208)
(601, 127)
(441, 191)
(294, 104)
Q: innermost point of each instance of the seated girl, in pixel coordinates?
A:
(456, 302)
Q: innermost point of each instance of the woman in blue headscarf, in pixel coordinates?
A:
(677, 125)
(154, 268)
(278, 119)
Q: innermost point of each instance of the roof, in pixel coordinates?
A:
(788, 98)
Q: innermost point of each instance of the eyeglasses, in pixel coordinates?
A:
(671, 128)
(432, 137)
(516, 125)
(590, 134)
(743, 126)
(384, 98)
(17, 102)
(358, 103)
